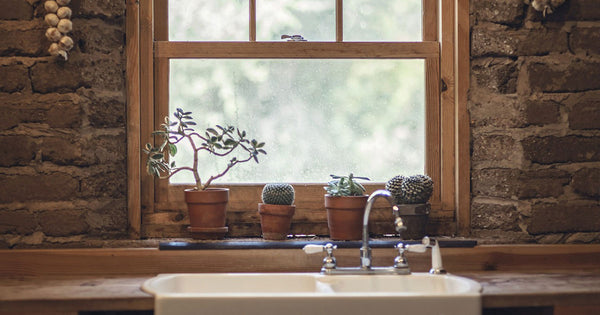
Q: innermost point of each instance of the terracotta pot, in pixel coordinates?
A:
(345, 216)
(207, 211)
(275, 220)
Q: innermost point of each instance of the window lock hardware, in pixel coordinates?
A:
(293, 38)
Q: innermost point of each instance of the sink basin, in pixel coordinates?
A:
(313, 293)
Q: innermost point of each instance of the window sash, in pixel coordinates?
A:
(158, 196)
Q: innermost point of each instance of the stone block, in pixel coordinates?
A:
(16, 221)
(98, 8)
(564, 217)
(586, 182)
(99, 36)
(495, 110)
(110, 217)
(17, 150)
(495, 74)
(585, 115)
(496, 182)
(100, 71)
(542, 112)
(23, 38)
(63, 222)
(580, 10)
(585, 40)
(50, 187)
(15, 10)
(494, 40)
(493, 147)
(553, 149)
(56, 110)
(15, 78)
(56, 76)
(63, 151)
(564, 75)
(106, 109)
(503, 11)
(542, 183)
(493, 216)
(108, 149)
(105, 181)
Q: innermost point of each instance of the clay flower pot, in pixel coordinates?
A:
(275, 220)
(345, 216)
(207, 211)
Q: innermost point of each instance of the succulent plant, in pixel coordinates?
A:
(394, 186)
(278, 194)
(345, 186)
(411, 189)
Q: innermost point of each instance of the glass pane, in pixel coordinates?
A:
(208, 20)
(313, 19)
(382, 20)
(317, 117)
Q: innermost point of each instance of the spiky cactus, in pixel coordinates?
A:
(278, 194)
(411, 189)
(394, 186)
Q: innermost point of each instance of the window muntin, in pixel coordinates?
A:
(318, 116)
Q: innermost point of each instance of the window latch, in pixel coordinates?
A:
(293, 38)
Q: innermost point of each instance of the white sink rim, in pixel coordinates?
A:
(469, 288)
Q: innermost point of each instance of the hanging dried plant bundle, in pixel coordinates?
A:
(545, 6)
(58, 17)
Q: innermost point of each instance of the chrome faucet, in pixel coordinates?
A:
(329, 263)
(365, 250)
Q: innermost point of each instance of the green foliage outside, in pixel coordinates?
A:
(318, 116)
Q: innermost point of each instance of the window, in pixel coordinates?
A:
(233, 54)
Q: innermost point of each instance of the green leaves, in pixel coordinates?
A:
(219, 141)
(345, 186)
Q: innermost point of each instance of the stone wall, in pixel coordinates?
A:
(534, 104)
(62, 127)
(535, 122)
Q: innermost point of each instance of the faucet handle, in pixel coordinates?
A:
(313, 249)
(329, 262)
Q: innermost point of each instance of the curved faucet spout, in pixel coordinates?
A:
(365, 250)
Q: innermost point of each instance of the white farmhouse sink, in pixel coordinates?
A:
(312, 293)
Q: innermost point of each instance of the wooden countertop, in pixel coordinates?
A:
(500, 290)
(67, 281)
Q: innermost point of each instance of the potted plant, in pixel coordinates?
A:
(276, 210)
(206, 206)
(411, 195)
(345, 202)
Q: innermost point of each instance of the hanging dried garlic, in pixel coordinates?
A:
(58, 17)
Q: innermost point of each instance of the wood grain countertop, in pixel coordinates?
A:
(500, 290)
(68, 281)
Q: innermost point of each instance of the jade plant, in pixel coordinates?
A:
(345, 186)
(219, 141)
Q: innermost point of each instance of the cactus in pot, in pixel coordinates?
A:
(411, 194)
(276, 210)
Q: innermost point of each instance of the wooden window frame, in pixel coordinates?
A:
(155, 202)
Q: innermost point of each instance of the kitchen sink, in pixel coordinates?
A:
(313, 293)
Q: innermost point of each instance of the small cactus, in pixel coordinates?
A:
(278, 194)
(411, 189)
(394, 186)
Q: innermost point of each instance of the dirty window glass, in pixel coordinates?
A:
(382, 20)
(318, 117)
(208, 20)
